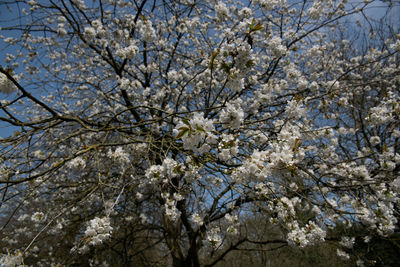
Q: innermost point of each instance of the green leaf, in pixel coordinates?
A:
(257, 27)
(249, 63)
(212, 58)
(177, 169)
(252, 24)
(200, 129)
(225, 67)
(184, 130)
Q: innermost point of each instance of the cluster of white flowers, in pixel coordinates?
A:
(375, 140)
(79, 3)
(237, 84)
(12, 260)
(381, 218)
(384, 112)
(125, 83)
(276, 46)
(262, 189)
(39, 154)
(119, 154)
(347, 242)
(221, 11)
(295, 110)
(6, 86)
(61, 31)
(389, 159)
(228, 147)
(235, 59)
(163, 173)
(310, 234)
(95, 30)
(396, 184)
(286, 150)
(89, 33)
(32, 2)
(342, 254)
(233, 222)
(197, 219)
(77, 163)
(267, 4)
(170, 205)
(244, 55)
(128, 52)
(232, 116)
(386, 220)
(285, 208)
(23, 217)
(396, 46)
(97, 231)
(315, 11)
(195, 131)
(38, 217)
(357, 172)
(214, 237)
(252, 168)
(97, 25)
(146, 30)
(360, 263)
(191, 171)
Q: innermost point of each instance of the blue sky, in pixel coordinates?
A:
(8, 17)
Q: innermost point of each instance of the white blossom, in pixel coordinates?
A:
(214, 237)
(197, 219)
(232, 115)
(375, 140)
(276, 46)
(310, 234)
(11, 260)
(347, 242)
(6, 85)
(98, 230)
(38, 217)
(342, 254)
(90, 33)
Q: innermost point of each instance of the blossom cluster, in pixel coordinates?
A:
(6, 85)
(232, 116)
(310, 234)
(253, 168)
(197, 133)
(163, 173)
(384, 112)
(12, 260)
(214, 237)
(233, 222)
(197, 219)
(170, 208)
(97, 231)
(228, 147)
(119, 154)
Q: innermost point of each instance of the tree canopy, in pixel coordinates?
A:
(156, 132)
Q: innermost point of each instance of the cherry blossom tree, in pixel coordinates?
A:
(147, 132)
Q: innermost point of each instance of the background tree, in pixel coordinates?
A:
(149, 132)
